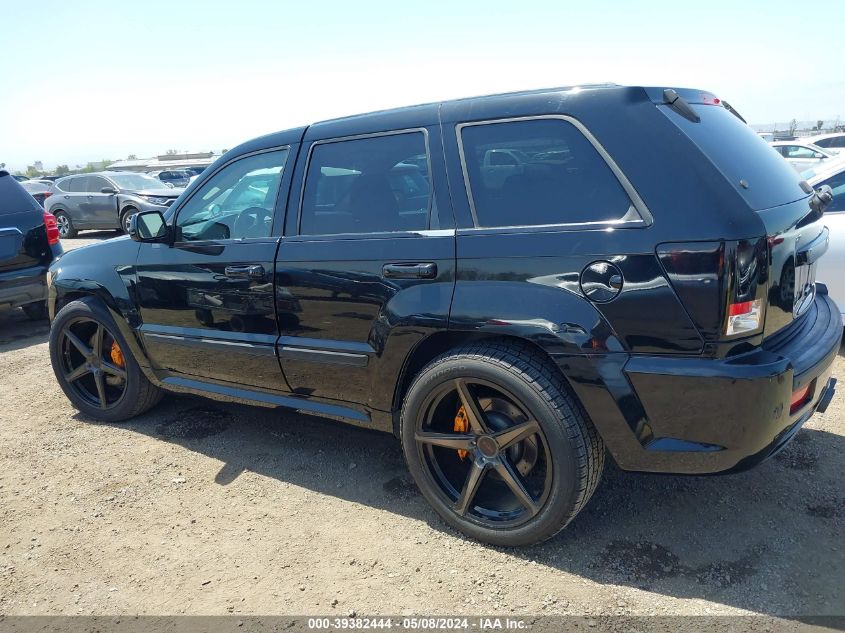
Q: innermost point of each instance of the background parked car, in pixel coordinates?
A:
(106, 200)
(173, 177)
(831, 269)
(29, 242)
(38, 189)
(833, 141)
(801, 155)
(20, 178)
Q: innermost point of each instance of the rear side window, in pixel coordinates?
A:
(64, 184)
(538, 172)
(367, 185)
(760, 176)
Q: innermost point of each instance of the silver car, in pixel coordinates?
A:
(106, 200)
(831, 269)
(802, 155)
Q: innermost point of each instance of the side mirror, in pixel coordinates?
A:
(148, 226)
(108, 190)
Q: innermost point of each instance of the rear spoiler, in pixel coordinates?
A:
(680, 99)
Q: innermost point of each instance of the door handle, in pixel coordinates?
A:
(253, 271)
(410, 271)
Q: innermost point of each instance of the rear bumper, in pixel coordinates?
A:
(698, 415)
(20, 287)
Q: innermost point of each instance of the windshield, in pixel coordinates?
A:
(137, 182)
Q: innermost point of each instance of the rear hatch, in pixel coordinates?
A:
(776, 271)
(23, 234)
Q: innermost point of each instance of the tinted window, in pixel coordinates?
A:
(837, 184)
(95, 183)
(78, 184)
(64, 184)
(551, 175)
(237, 202)
(825, 142)
(366, 186)
(839, 141)
(741, 156)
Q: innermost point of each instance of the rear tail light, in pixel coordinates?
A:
(47, 194)
(744, 317)
(52, 228)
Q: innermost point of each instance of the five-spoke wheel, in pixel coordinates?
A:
(498, 445)
(487, 454)
(94, 365)
(92, 362)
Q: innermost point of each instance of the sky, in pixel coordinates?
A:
(86, 80)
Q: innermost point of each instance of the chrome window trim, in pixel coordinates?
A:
(646, 219)
(357, 137)
(199, 187)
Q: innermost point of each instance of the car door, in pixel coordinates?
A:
(73, 196)
(367, 266)
(100, 207)
(206, 301)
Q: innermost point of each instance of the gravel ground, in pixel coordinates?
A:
(200, 507)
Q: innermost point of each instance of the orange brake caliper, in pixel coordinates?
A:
(117, 355)
(461, 426)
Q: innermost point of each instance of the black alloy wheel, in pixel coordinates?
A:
(498, 444)
(92, 362)
(94, 365)
(498, 470)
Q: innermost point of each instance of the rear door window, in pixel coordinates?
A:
(78, 184)
(367, 185)
(538, 172)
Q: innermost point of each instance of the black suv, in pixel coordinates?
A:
(635, 276)
(29, 242)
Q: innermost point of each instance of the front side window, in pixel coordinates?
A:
(137, 182)
(96, 183)
(801, 151)
(538, 172)
(236, 203)
(367, 185)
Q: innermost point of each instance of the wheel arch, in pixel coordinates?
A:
(440, 342)
(65, 291)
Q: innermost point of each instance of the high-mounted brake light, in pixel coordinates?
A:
(52, 228)
(744, 317)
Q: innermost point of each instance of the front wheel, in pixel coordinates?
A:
(125, 217)
(94, 365)
(498, 444)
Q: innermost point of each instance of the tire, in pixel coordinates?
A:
(35, 311)
(124, 218)
(572, 450)
(137, 393)
(65, 224)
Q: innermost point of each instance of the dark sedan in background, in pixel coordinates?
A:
(29, 242)
(106, 200)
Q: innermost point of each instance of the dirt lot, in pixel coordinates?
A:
(205, 508)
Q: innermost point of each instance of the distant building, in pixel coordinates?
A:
(199, 160)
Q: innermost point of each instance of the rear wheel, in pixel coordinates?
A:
(498, 444)
(94, 366)
(125, 216)
(65, 225)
